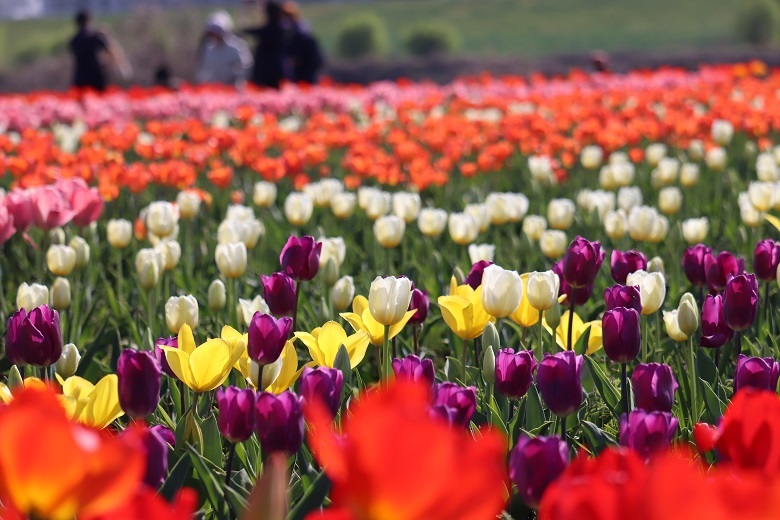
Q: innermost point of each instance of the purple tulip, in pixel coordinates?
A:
(623, 264)
(474, 278)
(267, 337)
(279, 293)
(300, 258)
(620, 329)
(322, 384)
(654, 387)
(514, 372)
(535, 463)
(623, 296)
(412, 368)
(236, 418)
(756, 372)
(279, 422)
(766, 257)
(454, 403)
(740, 301)
(582, 262)
(559, 379)
(714, 331)
(718, 268)
(34, 338)
(156, 446)
(170, 341)
(139, 379)
(693, 264)
(647, 432)
(421, 303)
(165, 433)
(583, 294)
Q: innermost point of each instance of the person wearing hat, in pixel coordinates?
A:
(223, 57)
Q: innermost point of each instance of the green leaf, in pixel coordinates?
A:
(312, 498)
(342, 363)
(212, 440)
(596, 438)
(453, 369)
(713, 404)
(706, 367)
(208, 477)
(176, 478)
(534, 411)
(604, 386)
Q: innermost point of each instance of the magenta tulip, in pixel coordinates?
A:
(654, 387)
(766, 257)
(514, 372)
(714, 331)
(300, 258)
(454, 403)
(620, 329)
(279, 293)
(582, 262)
(623, 296)
(535, 463)
(34, 338)
(559, 379)
(718, 268)
(236, 418)
(624, 263)
(474, 278)
(266, 337)
(139, 378)
(279, 422)
(647, 433)
(740, 301)
(412, 368)
(756, 372)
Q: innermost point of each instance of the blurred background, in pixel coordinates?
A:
(371, 40)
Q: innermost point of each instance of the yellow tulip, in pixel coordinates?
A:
(525, 315)
(463, 312)
(324, 342)
(288, 372)
(578, 329)
(361, 320)
(5, 394)
(94, 405)
(205, 367)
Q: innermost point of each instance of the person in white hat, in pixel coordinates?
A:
(223, 57)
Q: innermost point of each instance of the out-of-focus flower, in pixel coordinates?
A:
(463, 228)
(298, 208)
(162, 218)
(139, 379)
(217, 296)
(616, 224)
(181, 310)
(761, 195)
(264, 194)
(647, 432)
(60, 294)
(756, 372)
(81, 247)
(342, 293)
(552, 243)
(389, 231)
(324, 343)
(432, 221)
(480, 213)
(716, 159)
(188, 203)
(119, 233)
(535, 463)
(149, 264)
(689, 175)
(231, 259)
(406, 479)
(642, 221)
(61, 260)
(560, 213)
(412, 368)
(722, 131)
(534, 226)
(378, 205)
(766, 258)
(654, 387)
(343, 204)
(478, 252)
(170, 250)
(406, 206)
(695, 230)
(591, 156)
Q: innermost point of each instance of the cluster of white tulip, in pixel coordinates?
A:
(61, 260)
(683, 321)
(334, 251)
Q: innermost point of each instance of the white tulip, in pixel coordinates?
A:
(365, 194)
(654, 153)
(231, 259)
(695, 230)
(343, 204)
(181, 310)
(389, 231)
(541, 169)
(553, 243)
(670, 200)
(481, 215)
(342, 293)
(660, 230)
(31, 296)
(61, 260)
(264, 194)
(761, 195)
(689, 175)
(560, 213)
(516, 206)
(722, 131)
(591, 156)
(68, 362)
(497, 204)
(189, 204)
(652, 289)
(333, 249)
(716, 158)
(406, 205)
(217, 296)
(81, 247)
(149, 264)
(641, 222)
(239, 212)
(534, 226)
(696, 150)
(432, 221)
(378, 204)
(388, 299)
(60, 294)
(479, 252)
(629, 197)
(172, 251)
(248, 308)
(502, 291)
(616, 224)
(298, 208)
(542, 289)
(688, 314)
(463, 228)
(673, 327)
(162, 218)
(766, 167)
(120, 233)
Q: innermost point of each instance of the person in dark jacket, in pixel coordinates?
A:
(87, 46)
(304, 50)
(271, 50)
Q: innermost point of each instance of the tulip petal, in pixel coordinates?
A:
(332, 336)
(353, 319)
(359, 305)
(375, 330)
(289, 372)
(396, 328)
(314, 349)
(103, 407)
(179, 361)
(356, 346)
(210, 364)
(595, 340)
(186, 339)
(453, 310)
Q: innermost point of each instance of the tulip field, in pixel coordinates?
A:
(511, 298)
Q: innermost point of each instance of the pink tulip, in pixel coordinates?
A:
(51, 208)
(20, 205)
(7, 228)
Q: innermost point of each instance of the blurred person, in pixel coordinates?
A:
(223, 57)
(163, 77)
(271, 50)
(304, 51)
(87, 47)
(600, 61)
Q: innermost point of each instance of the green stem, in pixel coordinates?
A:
(645, 330)
(150, 305)
(463, 356)
(295, 308)
(657, 331)
(571, 320)
(541, 337)
(692, 375)
(624, 387)
(388, 362)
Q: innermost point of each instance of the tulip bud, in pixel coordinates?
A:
(120, 233)
(181, 310)
(139, 380)
(231, 259)
(217, 296)
(279, 422)
(188, 203)
(60, 294)
(488, 362)
(264, 194)
(432, 221)
(61, 260)
(502, 291)
(148, 267)
(81, 247)
(389, 298)
(389, 231)
(490, 337)
(57, 236)
(688, 314)
(342, 293)
(31, 296)
(236, 418)
(656, 265)
(298, 208)
(552, 243)
(15, 379)
(343, 205)
(722, 131)
(68, 363)
(673, 327)
(553, 315)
